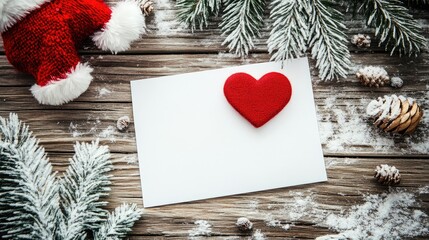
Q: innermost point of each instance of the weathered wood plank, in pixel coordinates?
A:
(341, 105)
(349, 179)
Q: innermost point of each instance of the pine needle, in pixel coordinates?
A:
(395, 27)
(28, 191)
(119, 223)
(196, 13)
(289, 34)
(84, 183)
(328, 41)
(241, 23)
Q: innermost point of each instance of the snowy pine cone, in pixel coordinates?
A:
(244, 224)
(123, 123)
(387, 175)
(372, 76)
(146, 6)
(396, 82)
(395, 114)
(361, 40)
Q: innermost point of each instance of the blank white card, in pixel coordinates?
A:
(193, 145)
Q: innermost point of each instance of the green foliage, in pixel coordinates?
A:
(328, 41)
(82, 186)
(297, 25)
(34, 204)
(241, 23)
(119, 223)
(28, 208)
(395, 27)
(289, 34)
(196, 13)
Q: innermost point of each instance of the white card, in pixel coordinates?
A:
(192, 144)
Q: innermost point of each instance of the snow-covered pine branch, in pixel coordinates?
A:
(328, 41)
(241, 22)
(196, 13)
(289, 34)
(84, 183)
(119, 223)
(29, 201)
(394, 26)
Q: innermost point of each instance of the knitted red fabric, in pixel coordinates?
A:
(258, 100)
(44, 42)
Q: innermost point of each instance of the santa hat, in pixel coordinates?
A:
(40, 38)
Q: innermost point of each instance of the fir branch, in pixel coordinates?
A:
(328, 41)
(196, 13)
(288, 37)
(394, 26)
(119, 223)
(84, 183)
(241, 23)
(29, 201)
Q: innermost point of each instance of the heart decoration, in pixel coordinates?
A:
(258, 100)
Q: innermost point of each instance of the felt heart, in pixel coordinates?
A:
(258, 100)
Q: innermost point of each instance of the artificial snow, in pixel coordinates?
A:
(165, 22)
(384, 216)
(103, 92)
(374, 106)
(348, 128)
(424, 190)
(108, 133)
(373, 72)
(270, 221)
(258, 235)
(131, 159)
(386, 170)
(202, 228)
(395, 108)
(352, 128)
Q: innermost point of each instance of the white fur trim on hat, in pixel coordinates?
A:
(125, 25)
(11, 11)
(64, 90)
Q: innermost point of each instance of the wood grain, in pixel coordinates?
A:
(167, 49)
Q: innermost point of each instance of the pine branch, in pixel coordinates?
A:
(29, 201)
(119, 223)
(196, 13)
(84, 183)
(241, 23)
(394, 26)
(328, 41)
(289, 34)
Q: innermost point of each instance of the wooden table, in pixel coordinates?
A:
(352, 146)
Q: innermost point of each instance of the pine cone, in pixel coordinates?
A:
(395, 114)
(146, 6)
(123, 123)
(361, 40)
(396, 82)
(387, 175)
(244, 224)
(373, 76)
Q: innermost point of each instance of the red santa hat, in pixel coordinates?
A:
(40, 37)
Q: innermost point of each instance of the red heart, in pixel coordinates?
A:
(258, 100)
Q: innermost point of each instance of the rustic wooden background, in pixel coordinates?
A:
(352, 148)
